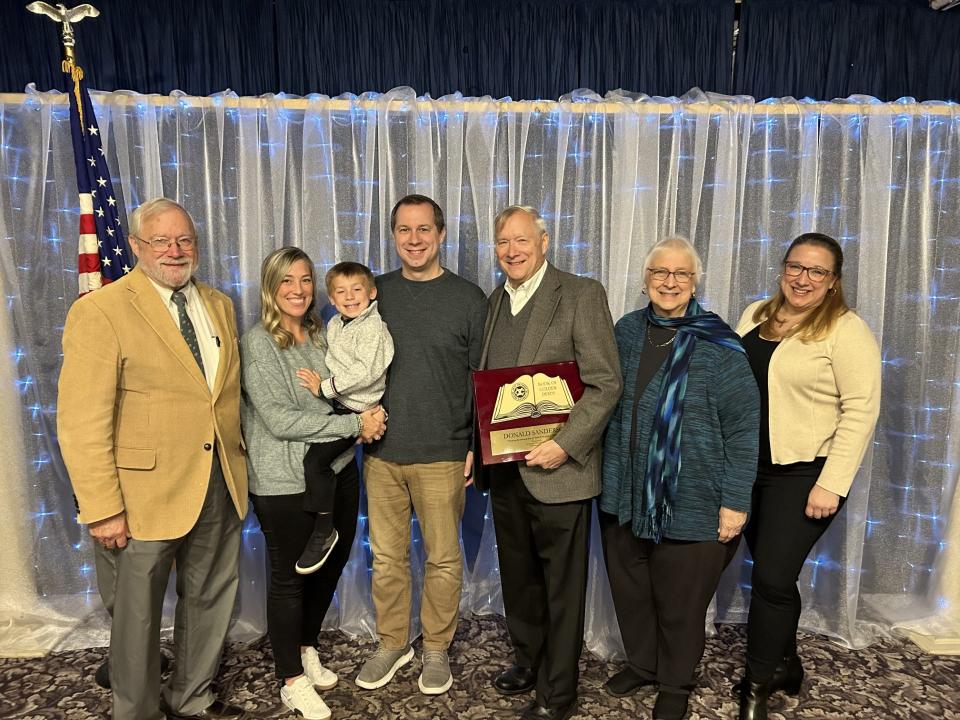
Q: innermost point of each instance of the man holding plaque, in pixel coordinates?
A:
(542, 502)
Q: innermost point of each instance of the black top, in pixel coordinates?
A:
(759, 351)
(657, 346)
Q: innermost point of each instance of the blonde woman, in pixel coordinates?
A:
(280, 418)
(818, 368)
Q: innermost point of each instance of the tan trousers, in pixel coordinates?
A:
(436, 492)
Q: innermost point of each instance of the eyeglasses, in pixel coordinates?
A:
(816, 274)
(162, 244)
(681, 276)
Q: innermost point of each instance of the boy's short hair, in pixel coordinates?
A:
(349, 270)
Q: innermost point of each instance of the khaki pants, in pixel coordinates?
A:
(436, 492)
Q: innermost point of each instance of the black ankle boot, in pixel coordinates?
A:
(788, 676)
(753, 700)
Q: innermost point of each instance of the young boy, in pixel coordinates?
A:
(359, 350)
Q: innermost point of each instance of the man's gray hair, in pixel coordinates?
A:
(676, 242)
(152, 208)
(512, 210)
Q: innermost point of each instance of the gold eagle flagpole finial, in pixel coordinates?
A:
(67, 17)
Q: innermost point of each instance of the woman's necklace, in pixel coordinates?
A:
(775, 329)
(778, 327)
(659, 345)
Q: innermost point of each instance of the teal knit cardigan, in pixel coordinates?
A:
(718, 444)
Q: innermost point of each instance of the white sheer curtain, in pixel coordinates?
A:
(611, 175)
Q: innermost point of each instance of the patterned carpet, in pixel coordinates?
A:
(887, 680)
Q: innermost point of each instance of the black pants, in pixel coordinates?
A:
(543, 574)
(321, 481)
(661, 593)
(780, 536)
(296, 604)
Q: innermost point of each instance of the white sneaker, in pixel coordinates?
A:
(321, 677)
(300, 697)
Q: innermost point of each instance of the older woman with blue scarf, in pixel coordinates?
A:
(679, 464)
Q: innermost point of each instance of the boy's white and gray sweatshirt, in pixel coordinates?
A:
(359, 352)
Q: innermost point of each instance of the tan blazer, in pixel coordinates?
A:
(136, 420)
(824, 398)
(570, 320)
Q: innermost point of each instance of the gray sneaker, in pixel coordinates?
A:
(380, 667)
(435, 678)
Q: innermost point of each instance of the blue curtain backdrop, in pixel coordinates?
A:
(156, 46)
(835, 48)
(524, 49)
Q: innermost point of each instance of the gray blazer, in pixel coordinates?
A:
(570, 320)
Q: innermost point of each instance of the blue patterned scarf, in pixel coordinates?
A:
(663, 454)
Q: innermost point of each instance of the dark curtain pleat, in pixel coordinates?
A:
(224, 44)
(515, 49)
(834, 48)
(658, 48)
(339, 46)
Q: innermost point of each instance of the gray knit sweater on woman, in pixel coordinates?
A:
(279, 417)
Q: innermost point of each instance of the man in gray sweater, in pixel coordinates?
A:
(424, 462)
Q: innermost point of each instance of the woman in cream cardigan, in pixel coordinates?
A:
(818, 368)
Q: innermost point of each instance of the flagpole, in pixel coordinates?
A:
(30, 617)
(103, 256)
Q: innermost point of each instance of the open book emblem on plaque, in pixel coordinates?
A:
(532, 396)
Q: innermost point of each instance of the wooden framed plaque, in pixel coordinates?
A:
(520, 407)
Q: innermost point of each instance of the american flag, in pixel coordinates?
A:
(104, 256)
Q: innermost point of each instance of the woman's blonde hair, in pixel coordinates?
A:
(820, 322)
(275, 266)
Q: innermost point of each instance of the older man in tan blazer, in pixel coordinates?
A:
(542, 505)
(149, 427)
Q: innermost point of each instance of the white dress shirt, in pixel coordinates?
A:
(519, 296)
(206, 333)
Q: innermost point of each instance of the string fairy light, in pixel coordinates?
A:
(320, 147)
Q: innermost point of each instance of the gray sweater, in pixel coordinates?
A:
(358, 354)
(279, 417)
(437, 329)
